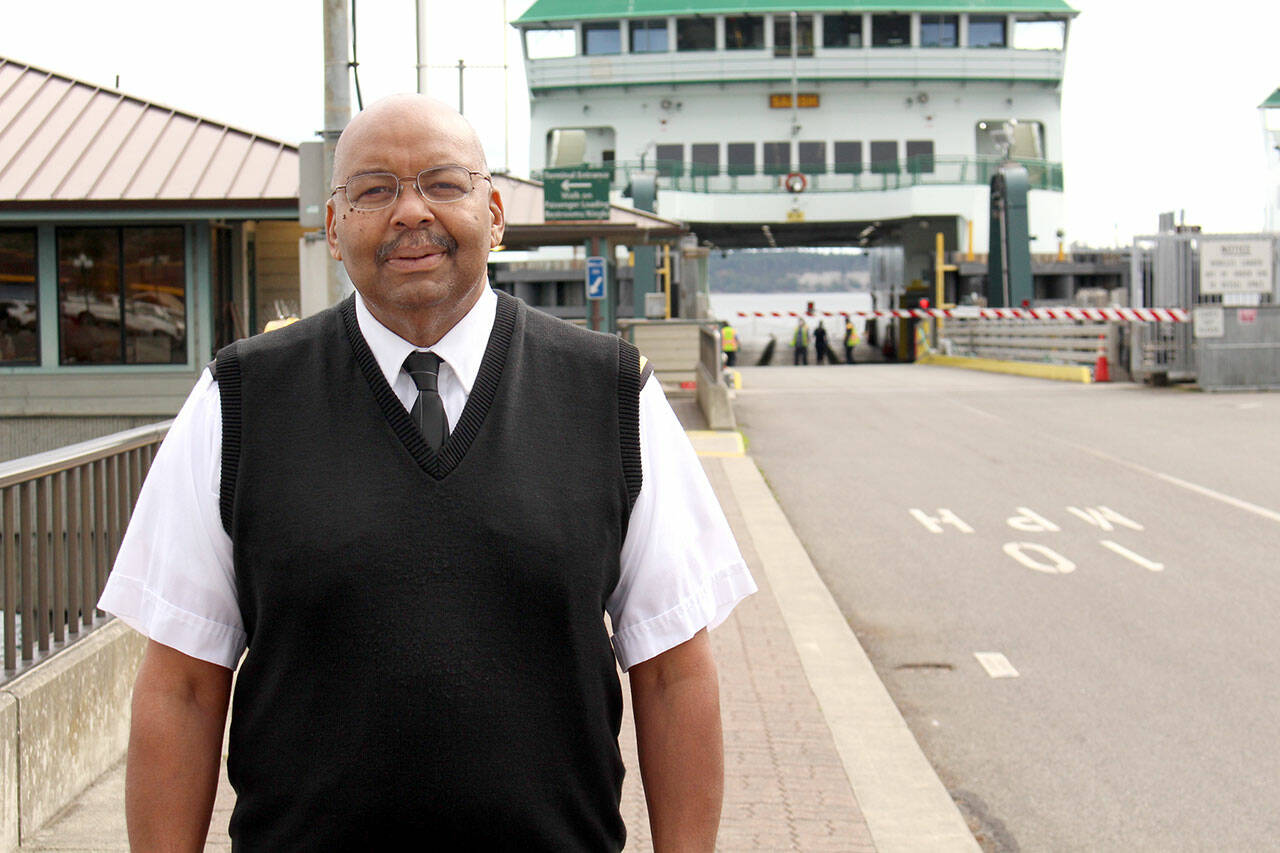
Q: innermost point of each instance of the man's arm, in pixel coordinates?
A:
(175, 749)
(676, 701)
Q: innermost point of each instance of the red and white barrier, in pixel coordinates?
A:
(1140, 315)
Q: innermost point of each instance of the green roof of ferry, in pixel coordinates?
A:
(1273, 101)
(574, 10)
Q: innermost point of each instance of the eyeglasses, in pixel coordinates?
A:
(441, 184)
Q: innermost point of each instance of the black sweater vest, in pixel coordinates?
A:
(427, 655)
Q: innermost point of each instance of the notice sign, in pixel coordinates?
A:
(1208, 321)
(1235, 266)
(575, 194)
(595, 278)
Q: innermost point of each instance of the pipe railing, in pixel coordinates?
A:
(62, 516)
(919, 170)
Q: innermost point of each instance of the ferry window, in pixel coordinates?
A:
(705, 157)
(920, 156)
(670, 160)
(842, 31)
(987, 30)
(1026, 139)
(695, 34)
(19, 326)
(601, 39)
(848, 156)
(890, 30)
(939, 30)
(813, 157)
(550, 44)
(123, 295)
(777, 158)
(884, 157)
(744, 33)
(742, 158)
(1039, 35)
(649, 35)
(782, 35)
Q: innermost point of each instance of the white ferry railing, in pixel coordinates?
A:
(62, 516)
(924, 170)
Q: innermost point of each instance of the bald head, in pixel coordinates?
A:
(408, 116)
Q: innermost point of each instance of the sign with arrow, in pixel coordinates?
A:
(595, 278)
(575, 194)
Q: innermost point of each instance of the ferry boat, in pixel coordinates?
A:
(824, 124)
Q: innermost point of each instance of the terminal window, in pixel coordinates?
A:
(601, 39)
(777, 158)
(890, 30)
(987, 30)
(813, 157)
(742, 158)
(848, 158)
(920, 156)
(782, 35)
(842, 31)
(670, 160)
(695, 34)
(123, 295)
(745, 32)
(649, 35)
(19, 326)
(884, 157)
(939, 30)
(705, 157)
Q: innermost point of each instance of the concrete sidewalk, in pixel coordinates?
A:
(816, 755)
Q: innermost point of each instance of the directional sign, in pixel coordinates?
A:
(595, 278)
(575, 194)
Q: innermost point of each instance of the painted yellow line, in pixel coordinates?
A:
(1063, 372)
(717, 443)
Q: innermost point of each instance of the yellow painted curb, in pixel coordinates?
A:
(1063, 372)
(717, 443)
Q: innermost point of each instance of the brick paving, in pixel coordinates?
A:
(785, 786)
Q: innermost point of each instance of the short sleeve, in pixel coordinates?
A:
(174, 578)
(681, 567)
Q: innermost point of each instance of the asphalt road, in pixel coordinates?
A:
(1117, 545)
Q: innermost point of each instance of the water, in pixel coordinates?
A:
(754, 332)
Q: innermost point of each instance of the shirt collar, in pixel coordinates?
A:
(462, 347)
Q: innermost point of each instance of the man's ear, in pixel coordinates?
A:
(499, 226)
(330, 230)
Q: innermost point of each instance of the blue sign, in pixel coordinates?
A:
(595, 278)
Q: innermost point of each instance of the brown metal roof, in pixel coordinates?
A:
(64, 140)
(527, 228)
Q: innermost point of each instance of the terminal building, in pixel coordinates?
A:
(836, 124)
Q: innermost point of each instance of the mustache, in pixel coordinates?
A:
(419, 238)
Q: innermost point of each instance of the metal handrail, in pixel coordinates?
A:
(62, 516)
(920, 170)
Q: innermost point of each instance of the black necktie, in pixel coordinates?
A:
(428, 411)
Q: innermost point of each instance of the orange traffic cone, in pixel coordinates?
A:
(1101, 372)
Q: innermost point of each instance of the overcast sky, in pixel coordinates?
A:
(1159, 105)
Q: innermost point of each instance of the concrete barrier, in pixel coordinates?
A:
(8, 772)
(64, 724)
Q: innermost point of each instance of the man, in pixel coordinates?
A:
(800, 343)
(850, 339)
(421, 592)
(729, 343)
(821, 352)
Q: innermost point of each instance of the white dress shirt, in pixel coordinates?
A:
(174, 577)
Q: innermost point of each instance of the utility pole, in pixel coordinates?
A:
(337, 106)
(420, 18)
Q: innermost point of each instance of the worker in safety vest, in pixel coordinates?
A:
(729, 343)
(800, 342)
(851, 339)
